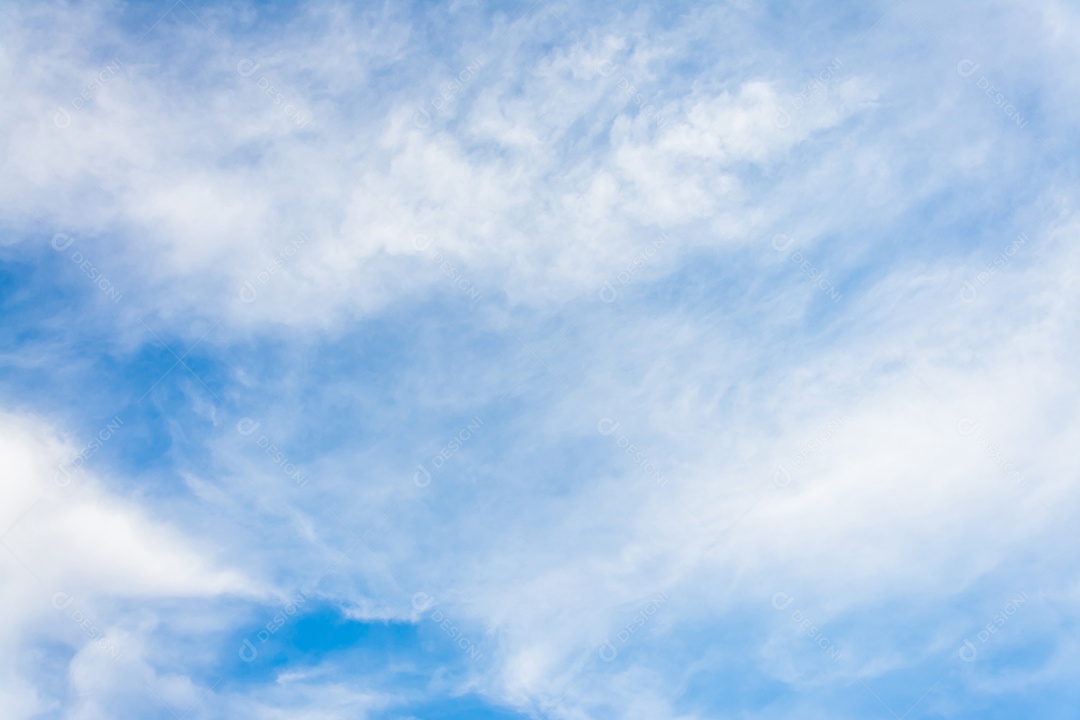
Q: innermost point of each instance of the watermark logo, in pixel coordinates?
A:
(422, 476)
(446, 93)
(968, 427)
(422, 602)
(62, 602)
(248, 651)
(781, 601)
(63, 472)
(815, 86)
(781, 242)
(609, 293)
(425, 244)
(247, 67)
(608, 427)
(61, 242)
(969, 651)
(782, 476)
(608, 650)
(247, 427)
(969, 291)
(62, 119)
(249, 292)
(608, 69)
(967, 68)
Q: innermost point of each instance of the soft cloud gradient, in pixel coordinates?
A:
(539, 360)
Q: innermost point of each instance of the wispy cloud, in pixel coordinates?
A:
(538, 360)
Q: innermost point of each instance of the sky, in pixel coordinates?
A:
(548, 360)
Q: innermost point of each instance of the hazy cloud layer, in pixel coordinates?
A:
(534, 360)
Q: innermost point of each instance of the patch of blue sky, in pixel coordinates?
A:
(461, 440)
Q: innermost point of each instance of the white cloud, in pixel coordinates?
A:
(540, 179)
(73, 554)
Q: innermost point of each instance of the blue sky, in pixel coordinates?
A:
(539, 360)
